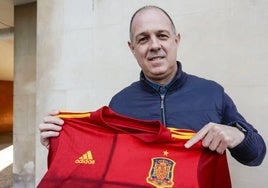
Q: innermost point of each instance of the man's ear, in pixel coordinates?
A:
(131, 47)
(178, 38)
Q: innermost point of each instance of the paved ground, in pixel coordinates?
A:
(6, 177)
(6, 180)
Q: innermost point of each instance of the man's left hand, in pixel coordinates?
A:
(217, 137)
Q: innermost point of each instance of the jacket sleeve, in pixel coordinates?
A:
(251, 151)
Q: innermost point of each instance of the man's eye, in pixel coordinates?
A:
(162, 36)
(143, 39)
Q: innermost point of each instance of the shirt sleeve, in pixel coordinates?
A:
(251, 151)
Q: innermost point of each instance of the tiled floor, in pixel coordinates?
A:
(6, 179)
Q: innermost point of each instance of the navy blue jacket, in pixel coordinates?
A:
(189, 102)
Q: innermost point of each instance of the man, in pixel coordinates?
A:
(179, 100)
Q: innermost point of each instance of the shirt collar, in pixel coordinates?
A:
(163, 89)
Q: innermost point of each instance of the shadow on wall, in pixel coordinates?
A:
(6, 110)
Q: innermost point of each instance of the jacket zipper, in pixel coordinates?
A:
(162, 105)
(163, 109)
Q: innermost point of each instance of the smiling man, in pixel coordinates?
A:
(178, 99)
(154, 45)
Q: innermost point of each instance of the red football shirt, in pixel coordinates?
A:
(108, 150)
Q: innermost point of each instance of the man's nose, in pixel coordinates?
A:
(155, 44)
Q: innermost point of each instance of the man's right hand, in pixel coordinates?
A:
(50, 127)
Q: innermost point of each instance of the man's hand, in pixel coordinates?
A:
(217, 137)
(50, 127)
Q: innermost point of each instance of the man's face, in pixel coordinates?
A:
(155, 45)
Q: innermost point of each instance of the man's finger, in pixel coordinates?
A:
(53, 120)
(53, 112)
(43, 127)
(199, 136)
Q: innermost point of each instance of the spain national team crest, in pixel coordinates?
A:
(161, 173)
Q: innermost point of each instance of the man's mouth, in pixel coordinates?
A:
(155, 58)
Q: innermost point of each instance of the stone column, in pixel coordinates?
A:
(24, 95)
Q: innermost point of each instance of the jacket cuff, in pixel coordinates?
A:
(244, 152)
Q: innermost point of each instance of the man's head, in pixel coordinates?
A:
(154, 43)
(147, 7)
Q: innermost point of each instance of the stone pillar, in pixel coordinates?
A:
(24, 95)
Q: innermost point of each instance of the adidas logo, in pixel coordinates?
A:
(86, 158)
